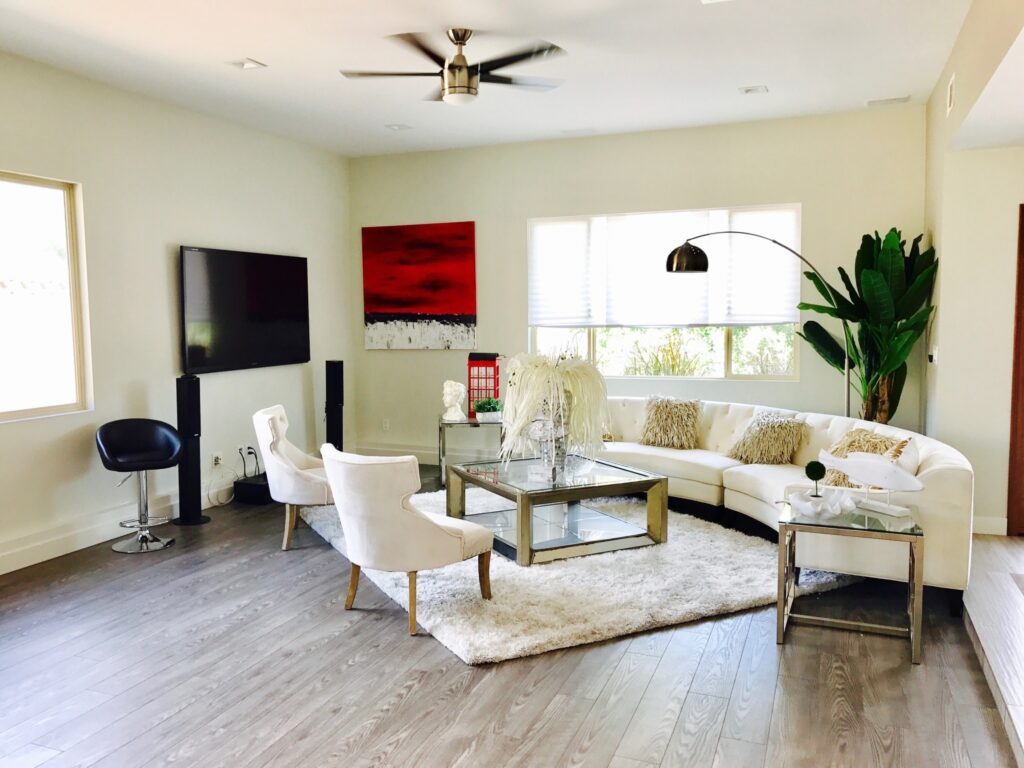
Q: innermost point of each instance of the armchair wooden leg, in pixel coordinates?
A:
(483, 567)
(353, 585)
(412, 602)
(290, 513)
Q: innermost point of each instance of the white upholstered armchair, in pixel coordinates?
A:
(385, 532)
(294, 477)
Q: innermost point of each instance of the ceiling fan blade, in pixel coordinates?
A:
(352, 75)
(415, 41)
(536, 51)
(521, 82)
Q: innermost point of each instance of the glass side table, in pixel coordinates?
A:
(863, 525)
(443, 425)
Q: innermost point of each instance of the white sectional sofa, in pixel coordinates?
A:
(945, 508)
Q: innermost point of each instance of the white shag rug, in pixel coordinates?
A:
(702, 570)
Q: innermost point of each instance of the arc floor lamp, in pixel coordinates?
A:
(688, 258)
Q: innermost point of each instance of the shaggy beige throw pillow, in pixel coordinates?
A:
(672, 423)
(769, 439)
(858, 440)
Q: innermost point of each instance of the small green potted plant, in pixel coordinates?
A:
(488, 410)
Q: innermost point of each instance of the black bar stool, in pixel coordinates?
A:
(139, 445)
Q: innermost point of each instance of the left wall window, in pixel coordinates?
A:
(43, 358)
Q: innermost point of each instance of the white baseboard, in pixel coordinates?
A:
(425, 454)
(85, 531)
(995, 526)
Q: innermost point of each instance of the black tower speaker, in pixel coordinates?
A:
(335, 402)
(190, 496)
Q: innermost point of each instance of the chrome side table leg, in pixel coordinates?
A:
(917, 585)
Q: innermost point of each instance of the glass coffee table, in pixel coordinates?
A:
(861, 524)
(550, 519)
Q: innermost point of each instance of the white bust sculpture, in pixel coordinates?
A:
(452, 395)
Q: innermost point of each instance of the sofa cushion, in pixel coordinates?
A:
(722, 424)
(905, 454)
(671, 423)
(770, 438)
(766, 482)
(696, 464)
(857, 440)
(626, 416)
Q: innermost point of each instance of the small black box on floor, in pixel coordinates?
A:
(253, 490)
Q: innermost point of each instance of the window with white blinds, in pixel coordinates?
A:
(609, 271)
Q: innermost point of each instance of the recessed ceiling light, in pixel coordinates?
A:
(248, 64)
(398, 127)
(888, 102)
(747, 90)
(712, 2)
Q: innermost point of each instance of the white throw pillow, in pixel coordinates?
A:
(906, 455)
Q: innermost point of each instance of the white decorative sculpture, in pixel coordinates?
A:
(873, 471)
(831, 502)
(452, 395)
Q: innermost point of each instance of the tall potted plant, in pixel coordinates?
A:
(886, 309)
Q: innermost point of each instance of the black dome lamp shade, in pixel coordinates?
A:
(687, 258)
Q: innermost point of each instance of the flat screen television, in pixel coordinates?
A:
(242, 310)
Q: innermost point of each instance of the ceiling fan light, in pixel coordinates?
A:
(458, 97)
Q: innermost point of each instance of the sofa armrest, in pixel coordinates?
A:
(945, 509)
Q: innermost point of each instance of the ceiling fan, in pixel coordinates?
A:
(460, 80)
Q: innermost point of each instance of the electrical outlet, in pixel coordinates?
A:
(385, 425)
(218, 458)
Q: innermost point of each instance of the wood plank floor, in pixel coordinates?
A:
(226, 651)
(995, 608)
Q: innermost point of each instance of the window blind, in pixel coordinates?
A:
(599, 271)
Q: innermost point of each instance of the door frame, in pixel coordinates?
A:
(1015, 486)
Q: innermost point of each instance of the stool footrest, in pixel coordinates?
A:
(135, 524)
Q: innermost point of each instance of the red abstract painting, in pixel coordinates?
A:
(419, 286)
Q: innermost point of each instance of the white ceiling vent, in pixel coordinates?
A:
(888, 102)
(248, 64)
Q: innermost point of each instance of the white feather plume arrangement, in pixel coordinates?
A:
(568, 390)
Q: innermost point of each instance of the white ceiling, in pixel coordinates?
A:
(997, 117)
(631, 65)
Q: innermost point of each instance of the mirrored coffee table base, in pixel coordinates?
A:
(562, 527)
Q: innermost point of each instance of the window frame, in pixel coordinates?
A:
(73, 220)
(591, 345)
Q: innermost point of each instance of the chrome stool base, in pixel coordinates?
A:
(143, 541)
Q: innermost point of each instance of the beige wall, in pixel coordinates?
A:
(852, 173)
(971, 392)
(154, 177)
(972, 200)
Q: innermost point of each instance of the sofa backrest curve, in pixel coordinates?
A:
(723, 423)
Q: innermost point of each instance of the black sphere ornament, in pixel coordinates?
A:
(815, 471)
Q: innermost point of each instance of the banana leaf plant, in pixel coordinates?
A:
(885, 310)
